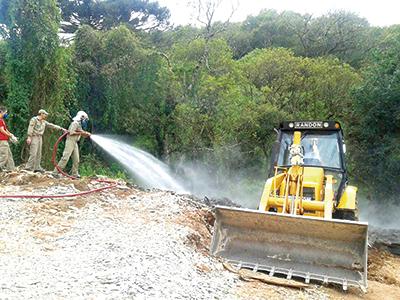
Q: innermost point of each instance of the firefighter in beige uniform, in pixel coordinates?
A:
(71, 144)
(36, 128)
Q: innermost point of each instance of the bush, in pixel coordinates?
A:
(93, 165)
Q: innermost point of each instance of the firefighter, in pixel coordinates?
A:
(37, 126)
(71, 145)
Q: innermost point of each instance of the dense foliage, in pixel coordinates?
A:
(210, 94)
(138, 14)
(376, 128)
(36, 65)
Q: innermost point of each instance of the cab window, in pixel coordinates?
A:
(319, 149)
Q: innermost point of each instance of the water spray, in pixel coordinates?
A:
(151, 172)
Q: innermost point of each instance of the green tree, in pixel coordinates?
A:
(339, 33)
(137, 89)
(302, 87)
(126, 88)
(3, 78)
(204, 71)
(247, 123)
(103, 15)
(87, 62)
(271, 29)
(375, 130)
(35, 65)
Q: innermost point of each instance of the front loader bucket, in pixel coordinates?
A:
(296, 246)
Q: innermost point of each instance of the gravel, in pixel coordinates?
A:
(123, 244)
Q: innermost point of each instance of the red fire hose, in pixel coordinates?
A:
(111, 184)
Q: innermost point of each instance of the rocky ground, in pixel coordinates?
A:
(128, 243)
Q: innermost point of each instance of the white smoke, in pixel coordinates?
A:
(204, 180)
(379, 213)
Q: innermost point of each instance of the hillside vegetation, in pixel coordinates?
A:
(212, 93)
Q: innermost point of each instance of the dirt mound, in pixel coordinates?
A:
(25, 178)
(383, 267)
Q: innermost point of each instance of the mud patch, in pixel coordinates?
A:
(49, 208)
(376, 290)
(195, 240)
(81, 185)
(25, 179)
(199, 222)
(54, 219)
(203, 268)
(259, 290)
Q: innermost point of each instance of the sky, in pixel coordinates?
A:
(377, 12)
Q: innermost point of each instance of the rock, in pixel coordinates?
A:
(388, 239)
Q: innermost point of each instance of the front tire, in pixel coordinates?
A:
(351, 215)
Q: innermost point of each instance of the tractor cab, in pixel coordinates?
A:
(322, 152)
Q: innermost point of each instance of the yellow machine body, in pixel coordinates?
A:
(296, 230)
(284, 193)
(348, 199)
(280, 191)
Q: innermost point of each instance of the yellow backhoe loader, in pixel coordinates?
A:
(306, 224)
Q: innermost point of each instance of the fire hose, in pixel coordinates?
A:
(110, 184)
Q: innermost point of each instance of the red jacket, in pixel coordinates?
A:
(3, 137)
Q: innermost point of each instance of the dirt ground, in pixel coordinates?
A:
(383, 270)
(52, 220)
